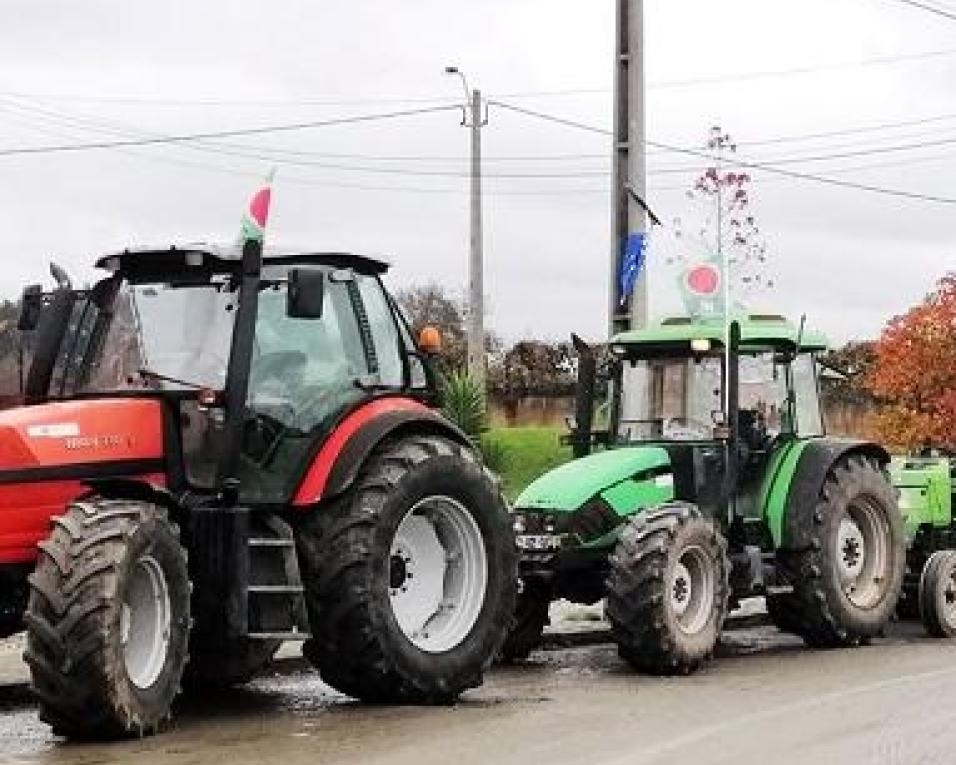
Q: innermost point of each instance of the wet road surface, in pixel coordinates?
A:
(766, 699)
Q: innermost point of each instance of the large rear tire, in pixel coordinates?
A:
(846, 583)
(108, 620)
(668, 590)
(410, 578)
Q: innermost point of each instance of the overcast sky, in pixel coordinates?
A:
(98, 70)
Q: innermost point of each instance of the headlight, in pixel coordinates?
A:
(519, 524)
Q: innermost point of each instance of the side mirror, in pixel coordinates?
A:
(306, 294)
(429, 341)
(30, 306)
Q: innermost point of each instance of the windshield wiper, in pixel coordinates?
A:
(149, 374)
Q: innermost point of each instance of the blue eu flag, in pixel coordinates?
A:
(632, 262)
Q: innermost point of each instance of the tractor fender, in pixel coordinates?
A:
(334, 469)
(135, 490)
(806, 482)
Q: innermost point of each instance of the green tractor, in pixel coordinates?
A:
(712, 481)
(927, 497)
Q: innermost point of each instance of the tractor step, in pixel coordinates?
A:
(275, 589)
(779, 589)
(285, 636)
(269, 542)
(274, 596)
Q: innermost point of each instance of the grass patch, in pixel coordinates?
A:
(519, 455)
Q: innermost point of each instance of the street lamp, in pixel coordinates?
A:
(476, 321)
(464, 80)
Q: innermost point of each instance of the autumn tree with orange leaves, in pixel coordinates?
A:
(914, 374)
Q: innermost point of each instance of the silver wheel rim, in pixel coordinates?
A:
(863, 553)
(438, 574)
(948, 595)
(145, 623)
(692, 590)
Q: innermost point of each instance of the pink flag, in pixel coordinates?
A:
(254, 219)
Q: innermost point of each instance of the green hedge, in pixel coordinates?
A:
(519, 455)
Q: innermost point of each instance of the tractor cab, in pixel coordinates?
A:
(325, 337)
(669, 383)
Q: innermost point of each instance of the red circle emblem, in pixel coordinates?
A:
(703, 279)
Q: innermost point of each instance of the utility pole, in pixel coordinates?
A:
(476, 296)
(629, 163)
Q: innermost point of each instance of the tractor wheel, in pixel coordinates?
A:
(937, 594)
(410, 578)
(108, 620)
(847, 582)
(530, 619)
(668, 590)
(226, 663)
(782, 613)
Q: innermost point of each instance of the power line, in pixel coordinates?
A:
(728, 160)
(837, 182)
(325, 183)
(270, 155)
(745, 76)
(280, 154)
(195, 137)
(929, 8)
(438, 100)
(848, 131)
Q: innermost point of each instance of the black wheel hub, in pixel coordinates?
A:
(680, 589)
(397, 571)
(851, 552)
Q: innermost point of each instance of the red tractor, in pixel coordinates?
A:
(222, 450)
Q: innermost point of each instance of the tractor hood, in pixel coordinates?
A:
(60, 439)
(622, 477)
(47, 451)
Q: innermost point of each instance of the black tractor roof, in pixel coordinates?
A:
(149, 264)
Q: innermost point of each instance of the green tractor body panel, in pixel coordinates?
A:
(775, 488)
(926, 490)
(625, 478)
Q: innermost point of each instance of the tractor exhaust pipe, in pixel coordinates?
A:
(583, 398)
(237, 371)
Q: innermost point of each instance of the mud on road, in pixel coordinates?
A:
(765, 698)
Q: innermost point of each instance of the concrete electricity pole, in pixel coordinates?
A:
(630, 166)
(476, 295)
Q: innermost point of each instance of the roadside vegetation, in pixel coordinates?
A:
(519, 455)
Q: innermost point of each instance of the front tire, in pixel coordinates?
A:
(937, 594)
(108, 620)
(847, 582)
(410, 578)
(668, 590)
(530, 619)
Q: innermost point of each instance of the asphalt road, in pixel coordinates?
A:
(765, 699)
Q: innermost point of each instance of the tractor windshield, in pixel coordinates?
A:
(681, 398)
(670, 398)
(165, 336)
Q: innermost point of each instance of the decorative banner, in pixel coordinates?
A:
(701, 287)
(632, 263)
(253, 225)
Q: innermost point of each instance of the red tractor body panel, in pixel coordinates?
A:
(48, 450)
